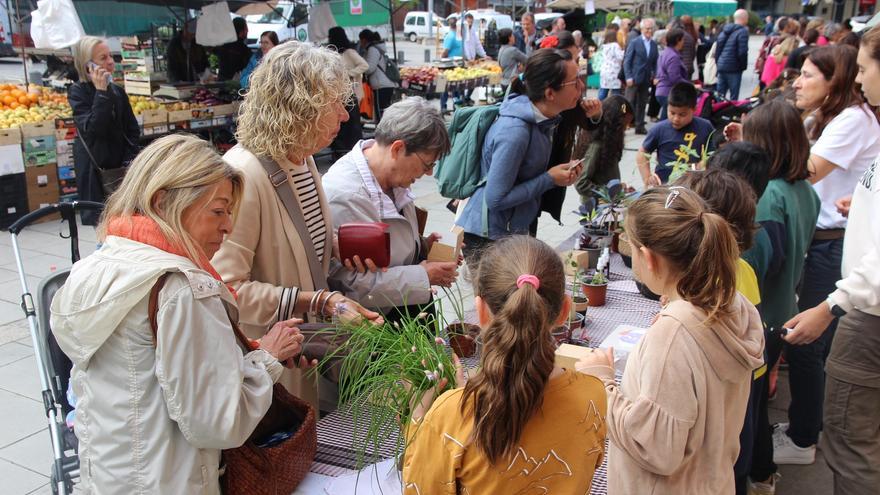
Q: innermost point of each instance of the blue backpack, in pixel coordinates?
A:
(458, 173)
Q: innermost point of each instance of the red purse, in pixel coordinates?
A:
(366, 241)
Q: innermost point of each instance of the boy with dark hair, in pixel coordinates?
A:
(680, 140)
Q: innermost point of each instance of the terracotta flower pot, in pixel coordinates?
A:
(462, 338)
(596, 293)
(580, 304)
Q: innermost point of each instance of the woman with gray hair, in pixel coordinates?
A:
(371, 184)
(107, 131)
(279, 253)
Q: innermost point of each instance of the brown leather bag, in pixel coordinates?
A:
(273, 470)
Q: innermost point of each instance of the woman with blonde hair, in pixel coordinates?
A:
(107, 131)
(162, 382)
(778, 59)
(279, 254)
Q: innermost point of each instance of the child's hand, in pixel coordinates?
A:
(843, 205)
(653, 180)
(596, 357)
(733, 132)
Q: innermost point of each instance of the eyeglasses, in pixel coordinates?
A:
(428, 166)
(573, 81)
(674, 192)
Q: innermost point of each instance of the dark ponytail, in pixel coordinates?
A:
(545, 68)
(518, 350)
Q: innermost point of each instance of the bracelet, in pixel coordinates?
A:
(326, 300)
(313, 305)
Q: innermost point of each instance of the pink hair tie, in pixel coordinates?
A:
(528, 279)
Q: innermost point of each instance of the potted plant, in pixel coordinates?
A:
(579, 302)
(462, 335)
(596, 288)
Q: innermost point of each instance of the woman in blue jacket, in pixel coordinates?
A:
(268, 40)
(517, 149)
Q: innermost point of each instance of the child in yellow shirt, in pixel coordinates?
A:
(522, 425)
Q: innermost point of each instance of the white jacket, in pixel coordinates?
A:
(355, 197)
(154, 419)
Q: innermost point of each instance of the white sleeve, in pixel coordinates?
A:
(861, 289)
(845, 138)
(215, 394)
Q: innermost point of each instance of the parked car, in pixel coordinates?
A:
(415, 25)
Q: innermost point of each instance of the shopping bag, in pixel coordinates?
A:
(215, 27)
(55, 24)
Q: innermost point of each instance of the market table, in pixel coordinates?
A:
(624, 306)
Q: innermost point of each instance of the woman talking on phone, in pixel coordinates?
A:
(107, 132)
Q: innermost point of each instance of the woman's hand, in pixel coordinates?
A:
(356, 265)
(98, 76)
(431, 239)
(442, 273)
(284, 340)
(566, 174)
(733, 132)
(843, 205)
(349, 310)
(592, 108)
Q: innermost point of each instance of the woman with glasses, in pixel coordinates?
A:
(371, 184)
(517, 149)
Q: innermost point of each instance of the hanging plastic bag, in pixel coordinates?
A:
(215, 25)
(55, 24)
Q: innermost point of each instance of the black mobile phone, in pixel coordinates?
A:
(778, 332)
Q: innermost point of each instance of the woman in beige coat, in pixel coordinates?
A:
(278, 255)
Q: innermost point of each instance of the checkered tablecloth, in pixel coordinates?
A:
(338, 431)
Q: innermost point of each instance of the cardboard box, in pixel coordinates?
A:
(446, 252)
(66, 173)
(36, 144)
(63, 146)
(42, 188)
(201, 124)
(65, 129)
(142, 88)
(37, 129)
(222, 120)
(40, 158)
(11, 159)
(64, 159)
(155, 130)
(10, 136)
(159, 116)
(567, 355)
(582, 258)
(176, 116)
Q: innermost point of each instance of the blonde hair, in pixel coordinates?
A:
(82, 55)
(185, 168)
(290, 89)
(784, 48)
(676, 223)
(518, 353)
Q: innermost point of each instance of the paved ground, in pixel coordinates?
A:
(25, 452)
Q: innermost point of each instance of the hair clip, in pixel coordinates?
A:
(674, 192)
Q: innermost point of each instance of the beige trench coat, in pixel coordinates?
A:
(264, 255)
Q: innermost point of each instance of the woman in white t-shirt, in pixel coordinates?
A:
(846, 138)
(612, 61)
(853, 390)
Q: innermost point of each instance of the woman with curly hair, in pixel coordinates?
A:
(279, 253)
(604, 148)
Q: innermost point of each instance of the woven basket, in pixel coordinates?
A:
(275, 470)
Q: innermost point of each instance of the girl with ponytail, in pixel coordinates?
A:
(522, 423)
(674, 421)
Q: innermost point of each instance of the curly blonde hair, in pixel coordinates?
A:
(290, 89)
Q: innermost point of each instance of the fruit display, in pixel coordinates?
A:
(419, 75)
(21, 105)
(203, 97)
(465, 73)
(141, 103)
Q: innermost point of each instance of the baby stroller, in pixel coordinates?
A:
(53, 366)
(721, 111)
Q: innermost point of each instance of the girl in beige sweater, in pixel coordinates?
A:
(674, 421)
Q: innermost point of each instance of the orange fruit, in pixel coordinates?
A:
(14, 105)
(17, 92)
(32, 97)
(7, 99)
(24, 100)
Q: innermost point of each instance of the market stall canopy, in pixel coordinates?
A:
(703, 8)
(110, 18)
(607, 5)
(234, 5)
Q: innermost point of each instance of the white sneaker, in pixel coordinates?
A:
(786, 452)
(764, 488)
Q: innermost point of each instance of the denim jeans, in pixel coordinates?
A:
(664, 101)
(806, 363)
(729, 81)
(605, 92)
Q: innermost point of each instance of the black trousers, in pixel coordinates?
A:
(383, 101)
(639, 95)
(350, 132)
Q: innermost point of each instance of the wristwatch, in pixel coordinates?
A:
(835, 309)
